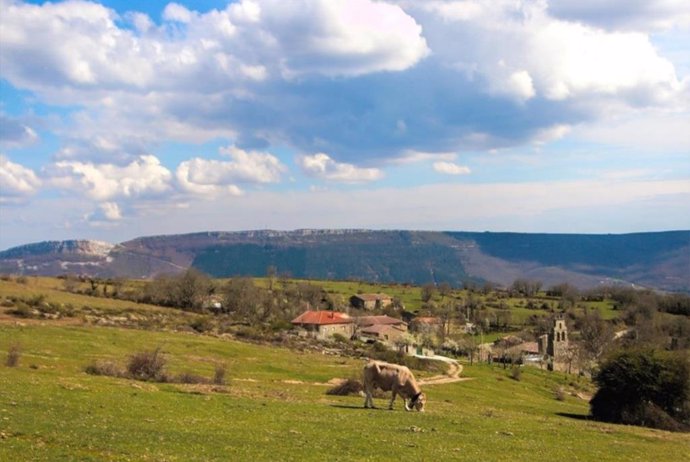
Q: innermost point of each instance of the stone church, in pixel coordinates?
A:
(554, 346)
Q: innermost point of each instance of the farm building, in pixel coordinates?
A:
(371, 301)
(367, 321)
(425, 324)
(323, 324)
(382, 328)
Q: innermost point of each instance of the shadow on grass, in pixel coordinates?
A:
(359, 408)
(574, 416)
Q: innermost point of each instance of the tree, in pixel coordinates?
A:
(595, 335)
(190, 289)
(526, 287)
(444, 289)
(240, 296)
(428, 292)
(644, 387)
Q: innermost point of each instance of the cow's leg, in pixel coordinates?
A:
(368, 401)
(393, 393)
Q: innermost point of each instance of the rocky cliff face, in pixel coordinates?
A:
(657, 260)
(57, 257)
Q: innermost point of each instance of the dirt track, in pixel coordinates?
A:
(453, 375)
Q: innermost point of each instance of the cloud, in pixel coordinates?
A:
(336, 38)
(523, 52)
(79, 44)
(411, 157)
(14, 133)
(364, 81)
(16, 181)
(111, 211)
(142, 178)
(323, 167)
(212, 177)
(450, 168)
(623, 14)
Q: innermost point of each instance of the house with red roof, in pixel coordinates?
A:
(323, 324)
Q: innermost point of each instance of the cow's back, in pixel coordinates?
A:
(384, 375)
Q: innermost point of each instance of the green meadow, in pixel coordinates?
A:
(275, 407)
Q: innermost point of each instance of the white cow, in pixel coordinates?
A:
(396, 379)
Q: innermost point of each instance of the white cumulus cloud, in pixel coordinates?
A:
(451, 168)
(16, 181)
(143, 177)
(522, 52)
(321, 166)
(111, 211)
(212, 177)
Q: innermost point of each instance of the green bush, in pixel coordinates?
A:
(644, 387)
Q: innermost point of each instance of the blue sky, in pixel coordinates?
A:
(120, 119)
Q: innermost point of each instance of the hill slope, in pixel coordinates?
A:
(659, 260)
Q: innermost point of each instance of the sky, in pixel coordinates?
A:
(122, 119)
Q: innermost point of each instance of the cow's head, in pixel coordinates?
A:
(416, 402)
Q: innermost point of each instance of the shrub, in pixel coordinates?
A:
(250, 333)
(186, 377)
(516, 373)
(346, 387)
(13, 356)
(22, 280)
(559, 393)
(340, 338)
(21, 310)
(107, 368)
(219, 376)
(644, 387)
(147, 365)
(202, 324)
(36, 300)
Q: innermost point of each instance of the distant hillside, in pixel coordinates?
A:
(659, 260)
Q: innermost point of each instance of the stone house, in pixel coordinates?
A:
(371, 301)
(382, 328)
(324, 324)
(425, 324)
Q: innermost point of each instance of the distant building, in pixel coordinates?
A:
(324, 324)
(425, 324)
(382, 328)
(555, 345)
(367, 321)
(371, 301)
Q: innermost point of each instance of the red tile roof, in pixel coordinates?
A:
(322, 317)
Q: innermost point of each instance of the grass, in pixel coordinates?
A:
(275, 407)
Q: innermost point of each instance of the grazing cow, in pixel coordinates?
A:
(396, 379)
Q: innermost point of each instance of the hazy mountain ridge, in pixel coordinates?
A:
(659, 260)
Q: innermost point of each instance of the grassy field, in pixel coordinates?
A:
(274, 407)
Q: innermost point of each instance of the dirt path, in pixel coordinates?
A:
(453, 374)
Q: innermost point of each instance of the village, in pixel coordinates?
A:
(408, 335)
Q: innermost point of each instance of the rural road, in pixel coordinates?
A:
(453, 374)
